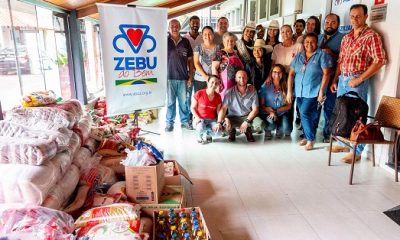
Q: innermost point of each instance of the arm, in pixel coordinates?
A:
(215, 67)
(194, 110)
(220, 119)
(335, 79)
(372, 69)
(191, 67)
(219, 125)
(199, 68)
(250, 117)
(289, 95)
(325, 79)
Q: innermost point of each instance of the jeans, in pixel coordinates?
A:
(328, 109)
(361, 90)
(281, 124)
(257, 125)
(205, 127)
(309, 113)
(189, 91)
(177, 89)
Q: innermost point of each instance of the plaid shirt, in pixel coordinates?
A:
(358, 53)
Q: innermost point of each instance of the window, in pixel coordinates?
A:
(252, 12)
(274, 8)
(262, 9)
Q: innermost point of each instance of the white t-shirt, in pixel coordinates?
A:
(194, 42)
(284, 55)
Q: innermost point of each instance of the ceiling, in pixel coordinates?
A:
(88, 8)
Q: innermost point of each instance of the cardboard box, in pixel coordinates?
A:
(144, 183)
(206, 232)
(179, 173)
(172, 196)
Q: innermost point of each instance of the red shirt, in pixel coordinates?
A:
(358, 53)
(205, 108)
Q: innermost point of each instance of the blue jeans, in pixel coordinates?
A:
(361, 90)
(328, 109)
(176, 89)
(205, 126)
(309, 114)
(189, 91)
(282, 124)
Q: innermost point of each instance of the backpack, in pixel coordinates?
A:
(348, 109)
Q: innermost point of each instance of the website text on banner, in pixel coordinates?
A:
(134, 45)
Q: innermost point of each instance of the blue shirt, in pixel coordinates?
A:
(308, 74)
(333, 43)
(272, 98)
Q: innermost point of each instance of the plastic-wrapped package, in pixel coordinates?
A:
(139, 158)
(61, 192)
(107, 175)
(31, 151)
(106, 214)
(72, 106)
(20, 183)
(45, 223)
(84, 159)
(114, 162)
(108, 231)
(82, 128)
(91, 144)
(36, 99)
(42, 118)
(74, 144)
(118, 187)
(102, 199)
(151, 149)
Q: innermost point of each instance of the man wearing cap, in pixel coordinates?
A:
(240, 109)
(243, 45)
(361, 56)
(329, 42)
(258, 68)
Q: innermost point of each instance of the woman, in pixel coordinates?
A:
(205, 105)
(244, 44)
(274, 104)
(313, 25)
(203, 55)
(284, 52)
(226, 63)
(273, 33)
(259, 67)
(310, 72)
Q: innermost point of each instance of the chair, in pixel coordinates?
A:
(388, 114)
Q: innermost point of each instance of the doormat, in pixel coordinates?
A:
(394, 214)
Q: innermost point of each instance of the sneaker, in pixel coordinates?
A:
(268, 134)
(187, 126)
(169, 128)
(338, 148)
(278, 134)
(232, 135)
(209, 139)
(249, 135)
(326, 140)
(348, 158)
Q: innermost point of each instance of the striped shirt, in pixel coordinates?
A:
(358, 53)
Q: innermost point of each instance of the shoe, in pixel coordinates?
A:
(301, 135)
(338, 148)
(303, 142)
(278, 134)
(209, 139)
(169, 128)
(309, 146)
(326, 140)
(232, 135)
(187, 126)
(348, 158)
(201, 141)
(249, 135)
(268, 134)
(297, 121)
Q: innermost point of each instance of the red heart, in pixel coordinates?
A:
(135, 36)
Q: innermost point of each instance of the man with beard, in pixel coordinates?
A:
(329, 42)
(195, 39)
(299, 27)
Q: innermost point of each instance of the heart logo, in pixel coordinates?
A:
(135, 35)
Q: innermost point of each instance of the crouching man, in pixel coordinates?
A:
(240, 109)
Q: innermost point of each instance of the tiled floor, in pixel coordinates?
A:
(273, 189)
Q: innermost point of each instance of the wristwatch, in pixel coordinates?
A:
(248, 121)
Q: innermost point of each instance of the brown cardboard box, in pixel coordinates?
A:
(180, 171)
(172, 196)
(144, 183)
(206, 232)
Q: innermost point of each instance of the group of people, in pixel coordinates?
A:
(252, 83)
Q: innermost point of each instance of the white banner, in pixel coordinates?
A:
(342, 9)
(134, 44)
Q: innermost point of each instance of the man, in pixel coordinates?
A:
(299, 26)
(329, 42)
(180, 55)
(195, 39)
(222, 25)
(260, 30)
(361, 56)
(241, 103)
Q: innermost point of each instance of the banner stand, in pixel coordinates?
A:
(136, 125)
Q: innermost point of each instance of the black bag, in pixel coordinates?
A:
(346, 112)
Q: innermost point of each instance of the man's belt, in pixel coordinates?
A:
(351, 74)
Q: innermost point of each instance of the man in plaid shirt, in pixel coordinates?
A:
(361, 56)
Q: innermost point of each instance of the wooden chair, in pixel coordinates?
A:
(388, 114)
